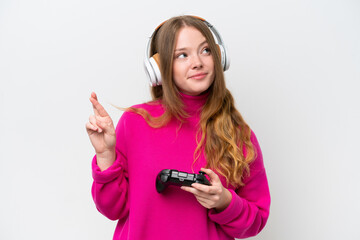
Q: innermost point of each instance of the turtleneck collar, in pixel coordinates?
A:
(193, 104)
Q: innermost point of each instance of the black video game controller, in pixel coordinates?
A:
(174, 177)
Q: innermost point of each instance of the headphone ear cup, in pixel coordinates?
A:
(155, 59)
(152, 68)
(224, 58)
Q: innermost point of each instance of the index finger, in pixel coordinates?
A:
(203, 188)
(98, 108)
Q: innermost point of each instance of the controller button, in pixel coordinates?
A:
(182, 174)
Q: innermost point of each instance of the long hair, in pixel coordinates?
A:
(223, 134)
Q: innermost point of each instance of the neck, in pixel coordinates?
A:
(194, 104)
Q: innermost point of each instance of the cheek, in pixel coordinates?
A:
(179, 72)
(210, 63)
(176, 76)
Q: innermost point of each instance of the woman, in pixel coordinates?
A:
(191, 125)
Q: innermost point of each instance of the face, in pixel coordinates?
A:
(193, 65)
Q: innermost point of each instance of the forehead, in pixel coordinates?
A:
(189, 36)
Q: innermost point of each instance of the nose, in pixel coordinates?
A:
(196, 62)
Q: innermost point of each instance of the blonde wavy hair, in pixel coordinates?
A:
(223, 135)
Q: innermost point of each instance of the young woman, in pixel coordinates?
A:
(190, 125)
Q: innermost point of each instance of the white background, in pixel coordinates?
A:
(295, 71)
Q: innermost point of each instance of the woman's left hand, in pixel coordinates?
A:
(214, 196)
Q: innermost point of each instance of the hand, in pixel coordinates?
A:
(101, 131)
(214, 196)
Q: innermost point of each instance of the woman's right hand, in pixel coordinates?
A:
(101, 131)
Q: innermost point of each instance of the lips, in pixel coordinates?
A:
(198, 76)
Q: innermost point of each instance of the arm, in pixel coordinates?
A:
(248, 210)
(110, 186)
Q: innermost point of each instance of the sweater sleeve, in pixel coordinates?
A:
(248, 211)
(110, 187)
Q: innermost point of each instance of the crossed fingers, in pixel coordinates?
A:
(99, 110)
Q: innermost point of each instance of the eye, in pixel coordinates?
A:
(206, 51)
(181, 55)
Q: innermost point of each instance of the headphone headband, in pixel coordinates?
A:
(152, 64)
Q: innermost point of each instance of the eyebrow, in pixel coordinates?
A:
(181, 49)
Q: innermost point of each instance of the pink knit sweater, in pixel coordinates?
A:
(126, 191)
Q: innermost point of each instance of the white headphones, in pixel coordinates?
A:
(152, 64)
